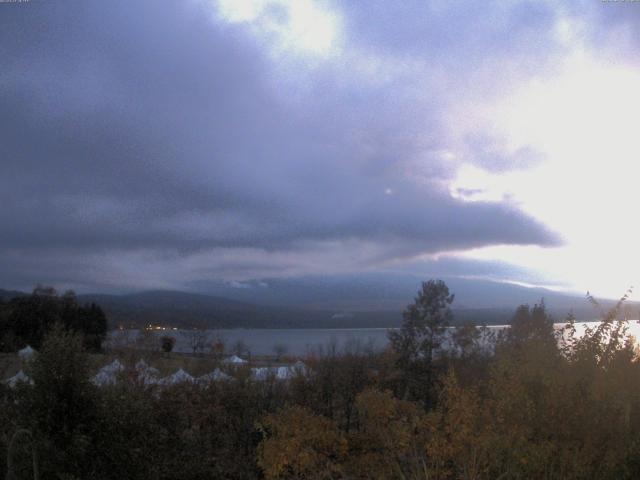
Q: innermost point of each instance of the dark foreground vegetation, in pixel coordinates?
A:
(25, 319)
(528, 403)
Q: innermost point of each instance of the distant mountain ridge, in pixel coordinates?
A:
(184, 309)
(9, 294)
(373, 292)
(336, 302)
(383, 292)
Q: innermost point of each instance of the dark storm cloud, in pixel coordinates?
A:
(133, 126)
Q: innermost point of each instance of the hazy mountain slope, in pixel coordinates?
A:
(384, 291)
(9, 294)
(196, 310)
(326, 302)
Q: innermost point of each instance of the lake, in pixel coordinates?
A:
(259, 341)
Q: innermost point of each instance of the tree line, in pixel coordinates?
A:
(25, 320)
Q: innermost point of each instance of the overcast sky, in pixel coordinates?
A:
(148, 144)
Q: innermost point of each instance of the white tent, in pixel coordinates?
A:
(146, 374)
(18, 377)
(300, 368)
(108, 374)
(216, 375)
(178, 377)
(285, 373)
(262, 373)
(279, 373)
(235, 360)
(113, 367)
(102, 378)
(26, 353)
(141, 365)
(282, 373)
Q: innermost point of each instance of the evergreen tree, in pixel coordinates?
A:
(418, 342)
(60, 408)
(28, 319)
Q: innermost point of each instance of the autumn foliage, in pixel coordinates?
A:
(301, 445)
(533, 402)
(530, 402)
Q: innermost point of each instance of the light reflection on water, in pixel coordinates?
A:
(260, 341)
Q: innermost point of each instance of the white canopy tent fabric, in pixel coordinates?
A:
(234, 359)
(178, 377)
(146, 374)
(113, 367)
(141, 365)
(214, 376)
(299, 368)
(285, 373)
(261, 373)
(26, 353)
(108, 374)
(279, 373)
(19, 377)
(103, 378)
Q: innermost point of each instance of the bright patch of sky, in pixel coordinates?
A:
(579, 117)
(584, 123)
(290, 26)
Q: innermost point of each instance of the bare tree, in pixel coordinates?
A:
(146, 340)
(197, 340)
(218, 347)
(280, 349)
(240, 348)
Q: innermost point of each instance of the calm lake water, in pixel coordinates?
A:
(292, 341)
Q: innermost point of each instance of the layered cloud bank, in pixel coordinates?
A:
(148, 145)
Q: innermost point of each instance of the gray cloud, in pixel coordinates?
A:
(459, 33)
(166, 136)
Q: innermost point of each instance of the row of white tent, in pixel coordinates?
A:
(280, 373)
(151, 376)
(148, 375)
